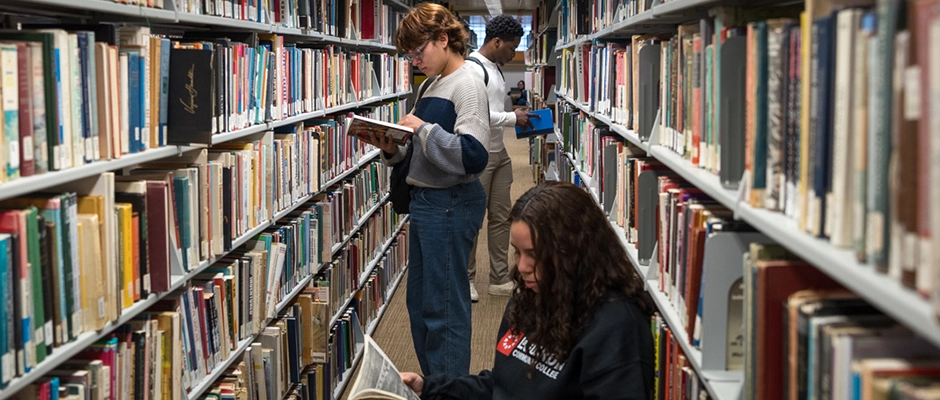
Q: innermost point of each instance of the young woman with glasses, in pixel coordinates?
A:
(448, 154)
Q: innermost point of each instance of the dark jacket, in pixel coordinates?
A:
(612, 360)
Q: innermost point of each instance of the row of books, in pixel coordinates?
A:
(581, 17)
(541, 18)
(782, 351)
(369, 20)
(316, 356)
(110, 97)
(226, 304)
(543, 157)
(674, 378)
(542, 49)
(167, 218)
(813, 139)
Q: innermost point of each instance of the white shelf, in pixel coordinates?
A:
(332, 110)
(632, 253)
(238, 134)
(359, 43)
(702, 179)
(362, 220)
(70, 349)
(619, 129)
(391, 290)
(212, 20)
(344, 381)
(229, 136)
(34, 183)
(665, 14)
(174, 17)
(364, 276)
(283, 213)
(398, 5)
(677, 6)
(882, 291)
(220, 369)
(388, 243)
(359, 164)
(108, 7)
(721, 385)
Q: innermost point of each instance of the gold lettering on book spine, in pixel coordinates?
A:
(190, 106)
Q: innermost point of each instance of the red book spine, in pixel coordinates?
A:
(27, 167)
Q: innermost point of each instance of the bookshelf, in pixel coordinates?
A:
(912, 308)
(357, 162)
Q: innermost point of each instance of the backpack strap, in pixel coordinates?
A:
(486, 76)
(421, 89)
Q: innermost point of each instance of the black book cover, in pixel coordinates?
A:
(191, 97)
(16, 316)
(67, 200)
(293, 349)
(48, 290)
(139, 339)
(227, 218)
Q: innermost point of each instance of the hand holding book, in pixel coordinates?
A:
(381, 134)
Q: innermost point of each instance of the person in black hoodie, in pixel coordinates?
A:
(578, 323)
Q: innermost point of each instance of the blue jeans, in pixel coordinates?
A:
(444, 223)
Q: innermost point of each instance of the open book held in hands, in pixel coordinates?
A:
(378, 378)
(363, 127)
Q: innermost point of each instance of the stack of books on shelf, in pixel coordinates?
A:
(769, 170)
(170, 198)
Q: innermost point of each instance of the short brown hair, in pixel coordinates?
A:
(426, 22)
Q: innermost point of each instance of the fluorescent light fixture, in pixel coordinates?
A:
(495, 7)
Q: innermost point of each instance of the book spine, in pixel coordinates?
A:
(11, 127)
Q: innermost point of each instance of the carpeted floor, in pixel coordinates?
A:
(393, 333)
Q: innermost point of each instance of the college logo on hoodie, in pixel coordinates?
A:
(514, 344)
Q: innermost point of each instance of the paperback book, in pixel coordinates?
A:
(364, 127)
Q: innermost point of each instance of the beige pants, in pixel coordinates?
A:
(496, 180)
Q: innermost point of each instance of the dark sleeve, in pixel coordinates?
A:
(625, 381)
(618, 355)
(468, 387)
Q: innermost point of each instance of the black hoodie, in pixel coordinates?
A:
(612, 360)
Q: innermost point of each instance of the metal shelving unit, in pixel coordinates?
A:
(882, 291)
(707, 181)
(398, 5)
(34, 183)
(721, 385)
(94, 10)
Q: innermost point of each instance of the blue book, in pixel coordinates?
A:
(541, 123)
(8, 365)
(181, 186)
(86, 59)
(188, 332)
(164, 88)
(133, 99)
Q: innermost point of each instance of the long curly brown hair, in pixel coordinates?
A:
(426, 22)
(580, 261)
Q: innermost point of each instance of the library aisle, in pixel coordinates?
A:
(393, 333)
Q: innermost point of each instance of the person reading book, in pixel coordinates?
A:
(448, 154)
(577, 326)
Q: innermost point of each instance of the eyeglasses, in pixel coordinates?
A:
(418, 53)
